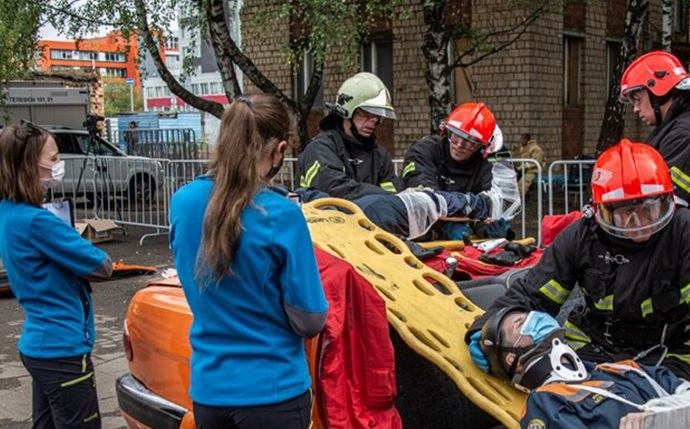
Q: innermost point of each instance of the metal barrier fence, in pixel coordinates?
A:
(178, 143)
(574, 183)
(137, 191)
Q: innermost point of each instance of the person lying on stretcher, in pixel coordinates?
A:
(527, 349)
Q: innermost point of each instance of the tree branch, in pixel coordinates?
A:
(216, 109)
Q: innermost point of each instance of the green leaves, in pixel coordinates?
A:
(19, 24)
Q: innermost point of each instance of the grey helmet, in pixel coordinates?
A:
(364, 91)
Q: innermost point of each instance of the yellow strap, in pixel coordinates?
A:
(430, 321)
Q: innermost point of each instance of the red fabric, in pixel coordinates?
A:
(356, 376)
(551, 226)
(471, 267)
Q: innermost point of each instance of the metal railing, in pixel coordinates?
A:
(137, 191)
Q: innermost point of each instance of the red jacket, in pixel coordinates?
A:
(356, 373)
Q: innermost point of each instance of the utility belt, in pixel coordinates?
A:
(618, 335)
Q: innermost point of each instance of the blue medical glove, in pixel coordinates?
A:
(498, 228)
(538, 325)
(478, 356)
(455, 230)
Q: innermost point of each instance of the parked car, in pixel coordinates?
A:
(95, 167)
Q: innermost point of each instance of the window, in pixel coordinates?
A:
(612, 50)
(87, 55)
(172, 42)
(149, 92)
(115, 57)
(66, 144)
(377, 58)
(114, 72)
(304, 73)
(214, 88)
(461, 78)
(172, 61)
(204, 88)
(159, 92)
(195, 88)
(571, 70)
(59, 54)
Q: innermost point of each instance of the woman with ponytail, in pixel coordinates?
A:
(247, 266)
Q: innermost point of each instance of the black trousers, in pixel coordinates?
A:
(63, 393)
(294, 413)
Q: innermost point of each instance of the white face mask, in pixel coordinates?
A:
(57, 172)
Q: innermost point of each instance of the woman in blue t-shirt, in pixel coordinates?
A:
(49, 266)
(247, 266)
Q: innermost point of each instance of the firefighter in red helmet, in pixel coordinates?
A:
(657, 85)
(631, 259)
(455, 160)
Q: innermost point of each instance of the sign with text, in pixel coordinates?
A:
(53, 96)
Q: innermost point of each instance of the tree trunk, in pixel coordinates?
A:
(666, 24)
(438, 71)
(613, 122)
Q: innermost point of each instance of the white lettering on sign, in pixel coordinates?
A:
(27, 100)
(41, 96)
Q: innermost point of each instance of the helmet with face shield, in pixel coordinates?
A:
(632, 191)
(364, 91)
(475, 123)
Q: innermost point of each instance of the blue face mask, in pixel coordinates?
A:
(538, 325)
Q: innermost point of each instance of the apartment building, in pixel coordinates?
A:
(112, 55)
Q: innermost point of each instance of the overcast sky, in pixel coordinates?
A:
(48, 32)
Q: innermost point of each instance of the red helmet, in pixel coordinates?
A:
(658, 71)
(632, 190)
(474, 122)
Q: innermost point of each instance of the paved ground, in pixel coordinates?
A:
(110, 302)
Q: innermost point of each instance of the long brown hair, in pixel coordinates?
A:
(250, 130)
(20, 149)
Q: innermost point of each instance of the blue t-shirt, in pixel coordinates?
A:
(46, 260)
(244, 351)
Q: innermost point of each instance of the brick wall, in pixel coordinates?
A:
(594, 74)
(522, 85)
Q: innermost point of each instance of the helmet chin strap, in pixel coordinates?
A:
(657, 108)
(357, 135)
(355, 131)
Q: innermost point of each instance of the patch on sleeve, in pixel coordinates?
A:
(536, 424)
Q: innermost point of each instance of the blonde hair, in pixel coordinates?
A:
(247, 126)
(20, 149)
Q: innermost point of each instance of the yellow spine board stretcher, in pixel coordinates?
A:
(431, 322)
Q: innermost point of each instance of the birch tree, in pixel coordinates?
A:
(613, 121)
(666, 24)
(479, 43)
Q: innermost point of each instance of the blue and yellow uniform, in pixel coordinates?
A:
(563, 405)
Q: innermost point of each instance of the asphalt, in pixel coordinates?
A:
(110, 304)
